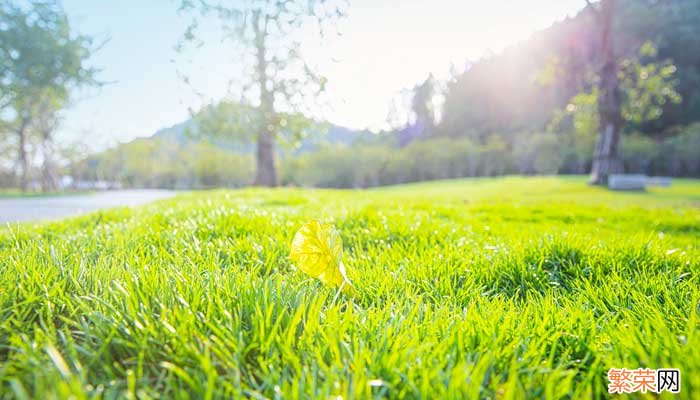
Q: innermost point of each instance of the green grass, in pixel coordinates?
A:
(483, 288)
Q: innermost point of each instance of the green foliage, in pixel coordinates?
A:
(265, 38)
(162, 163)
(276, 80)
(158, 163)
(483, 288)
(337, 166)
(676, 30)
(540, 153)
(422, 103)
(237, 122)
(42, 61)
(647, 86)
(638, 151)
(580, 117)
(678, 154)
(364, 166)
(227, 120)
(531, 153)
(522, 87)
(38, 50)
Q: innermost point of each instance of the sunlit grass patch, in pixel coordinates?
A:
(480, 288)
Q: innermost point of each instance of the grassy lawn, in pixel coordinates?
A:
(481, 288)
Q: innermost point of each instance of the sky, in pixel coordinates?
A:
(385, 46)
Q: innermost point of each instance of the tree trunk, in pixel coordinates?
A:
(606, 156)
(48, 121)
(606, 159)
(49, 180)
(265, 173)
(23, 155)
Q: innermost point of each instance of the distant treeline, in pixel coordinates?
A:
(165, 164)
(541, 153)
(522, 87)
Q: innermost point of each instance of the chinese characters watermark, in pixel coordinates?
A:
(644, 380)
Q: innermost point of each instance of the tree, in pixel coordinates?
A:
(45, 123)
(611, 110)
(41, 62)
(229, 124)
(280, 80)
(20, 127)
(606, 155)
(647, 86)
(422, 104)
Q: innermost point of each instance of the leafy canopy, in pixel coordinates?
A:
(274, 79)
(39, 54)
(648, 87)
(235, 122)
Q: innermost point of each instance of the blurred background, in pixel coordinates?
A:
(194, 94)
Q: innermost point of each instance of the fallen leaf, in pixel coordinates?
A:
(317, 250)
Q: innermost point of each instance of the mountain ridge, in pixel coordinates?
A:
(334, 135)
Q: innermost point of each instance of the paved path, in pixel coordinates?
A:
(45, 208)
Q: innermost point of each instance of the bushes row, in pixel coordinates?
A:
(364, 166)
(165, 164)
(442, 158)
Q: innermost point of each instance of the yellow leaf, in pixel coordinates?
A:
(317, 249)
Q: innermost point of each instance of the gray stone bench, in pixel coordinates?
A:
(627, 182)
(636, 181)
(659, 181)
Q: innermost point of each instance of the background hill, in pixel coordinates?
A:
(333, 135)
